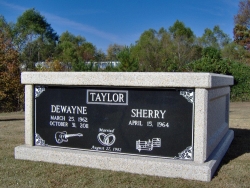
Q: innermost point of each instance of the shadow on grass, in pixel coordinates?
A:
(11, 119)
(239, 146)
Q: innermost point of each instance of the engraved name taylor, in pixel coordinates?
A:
(109, 97)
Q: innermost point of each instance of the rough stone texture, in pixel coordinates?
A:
(200, 125)
(218, 117)
(29, 131)
(126, 163)
(211, 134)
(145, 79)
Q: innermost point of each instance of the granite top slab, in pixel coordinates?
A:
(128, 79)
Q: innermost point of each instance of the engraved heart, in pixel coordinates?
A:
(106, 139)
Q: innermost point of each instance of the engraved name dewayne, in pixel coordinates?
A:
(68, 109)
(108, 97)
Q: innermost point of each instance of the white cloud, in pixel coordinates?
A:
(79, 26)
(12, 6)
(232, 3)
(62, 22)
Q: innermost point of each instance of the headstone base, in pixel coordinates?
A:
(128, 163)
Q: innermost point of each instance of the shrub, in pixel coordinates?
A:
(240, 91)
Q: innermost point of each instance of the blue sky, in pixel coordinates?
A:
(105, 22)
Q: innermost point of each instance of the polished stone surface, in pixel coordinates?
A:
(212, 136)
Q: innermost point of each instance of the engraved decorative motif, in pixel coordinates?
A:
(186, 154)
(188, 94)
(39, 90)
(148, 145)
(39, 141)
(61, 137)
(106, 139)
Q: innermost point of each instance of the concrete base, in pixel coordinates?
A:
(127, 163)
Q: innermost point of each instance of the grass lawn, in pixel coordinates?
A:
(234, 170)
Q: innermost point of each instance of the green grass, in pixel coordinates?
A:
(234, 170)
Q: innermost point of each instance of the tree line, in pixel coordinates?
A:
(175, 49)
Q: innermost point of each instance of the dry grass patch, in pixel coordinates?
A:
(233, 171)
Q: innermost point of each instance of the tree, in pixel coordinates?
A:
(127, 62)
(167, 54)
(208, 39)
(100, 56)
(211, 53)
(85, 66)
(215, 38)
(243, 16)
(87, 52)
(51, 65)
(223, 39)
(75, 51)
(180, 31)
(242, 25)
(67, 47)
(11, 93)
(211, 61)
(112, 52)
(34, 37)
(235, 52)
(184, 49)
(166, 50)
(242, 36)
(146, 51)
